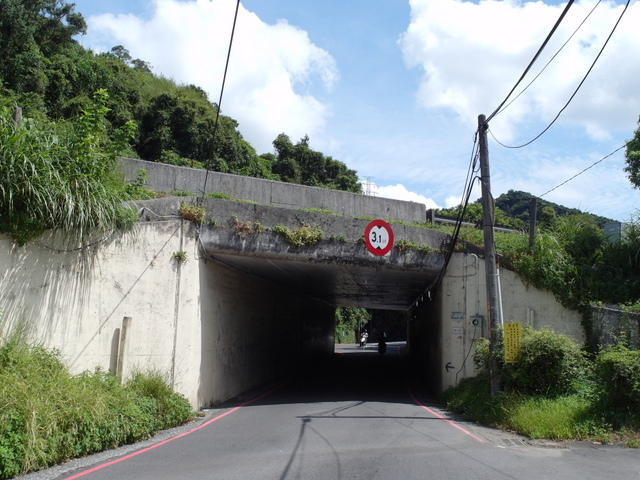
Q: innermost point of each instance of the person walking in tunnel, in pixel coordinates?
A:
(382, 343)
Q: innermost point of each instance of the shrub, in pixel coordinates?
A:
(244, 229)
(61, 176)
(192, 213)
(170, 408)
(549, 364)
(301, 236)
(618, 371)
(136, 188)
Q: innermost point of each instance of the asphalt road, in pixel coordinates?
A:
(353, 417)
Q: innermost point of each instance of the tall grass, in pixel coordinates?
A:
(48, 416)
(557, 418)
(60, 176)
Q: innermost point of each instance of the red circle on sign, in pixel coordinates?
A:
(378, 237)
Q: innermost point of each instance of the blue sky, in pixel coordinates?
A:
(395, 91)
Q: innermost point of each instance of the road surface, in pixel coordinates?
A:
(351, 417)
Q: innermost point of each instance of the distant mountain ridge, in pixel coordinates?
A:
(517, 203)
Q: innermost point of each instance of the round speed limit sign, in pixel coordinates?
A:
(378, 237)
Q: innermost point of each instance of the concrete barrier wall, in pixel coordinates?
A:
(444, 334)
(212, 332)
(168, 178)
(76, 300)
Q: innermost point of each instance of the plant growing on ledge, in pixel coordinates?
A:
(403, 245)
(191, 212)
(303, 235)
(246, 228)
(180, 256)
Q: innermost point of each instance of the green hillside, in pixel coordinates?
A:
(45, 71)
(516, 204)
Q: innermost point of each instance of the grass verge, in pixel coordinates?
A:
(48, 416)
(579, 416)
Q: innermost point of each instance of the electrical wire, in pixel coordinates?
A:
(575, 91)
(582, 171)
(464, 202)
(535, 58)
(552, 58)
(224, 80)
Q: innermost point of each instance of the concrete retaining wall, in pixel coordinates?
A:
(443, 335)
(168, 178)
(211, 331)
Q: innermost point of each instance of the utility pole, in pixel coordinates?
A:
(533, 211)
(17, 116)
(491, 269)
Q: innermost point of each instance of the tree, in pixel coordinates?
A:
(633, 159)
(348, 320)
(30, 32)
(473, 214)
(300, 164)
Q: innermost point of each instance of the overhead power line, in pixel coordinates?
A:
(464, 202)
(551, 59)
(535, 58)
(582, 171)
(224, 80)
(575, 91)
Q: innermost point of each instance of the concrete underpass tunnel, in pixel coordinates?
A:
(261, 317)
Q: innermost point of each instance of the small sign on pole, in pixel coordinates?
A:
(378, 237)
(512, 341)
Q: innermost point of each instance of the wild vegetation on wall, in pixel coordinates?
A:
(571, 255)
(61, 175)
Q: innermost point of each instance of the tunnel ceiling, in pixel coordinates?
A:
(383, 286)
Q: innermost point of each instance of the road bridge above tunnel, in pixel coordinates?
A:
(337, 269)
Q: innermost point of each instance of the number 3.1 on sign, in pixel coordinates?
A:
(378, 237)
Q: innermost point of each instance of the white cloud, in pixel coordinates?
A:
(272, 67)
(400, 192)
(471, 55)
(452, 201)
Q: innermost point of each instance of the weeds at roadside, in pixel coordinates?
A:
(49, 416)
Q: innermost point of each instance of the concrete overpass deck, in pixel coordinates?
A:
(338, 269)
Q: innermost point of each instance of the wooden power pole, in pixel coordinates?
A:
(491, 269)
(533, 211)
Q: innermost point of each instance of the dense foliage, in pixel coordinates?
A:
(512, 210)
(572, 258)
(299, 164)
(550, 364)
(347, 322)
(632, 153)
(60, 175)
(516, 204)
(46, 72)
(473, 214)
(556, 391)
(49, 416)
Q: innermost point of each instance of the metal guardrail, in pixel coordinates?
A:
(433, 218)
